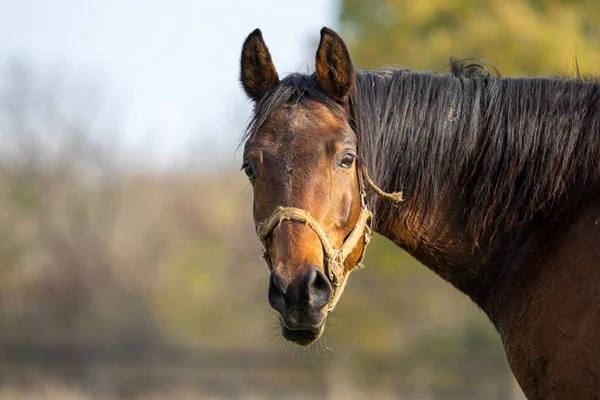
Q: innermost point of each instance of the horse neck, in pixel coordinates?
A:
(451, 146)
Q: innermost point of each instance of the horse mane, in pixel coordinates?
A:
(512, 147)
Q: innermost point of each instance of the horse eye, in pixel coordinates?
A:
(249, 170)
(347, 160)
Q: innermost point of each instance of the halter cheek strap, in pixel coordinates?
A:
(334, 259)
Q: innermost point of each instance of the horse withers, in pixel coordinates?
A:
(501, 179)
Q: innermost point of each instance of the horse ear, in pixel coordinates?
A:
(257, 72)
(335, 72)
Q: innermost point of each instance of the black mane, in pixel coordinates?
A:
(513, 146)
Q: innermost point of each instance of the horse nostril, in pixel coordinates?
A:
(318, 288)
(277, 288)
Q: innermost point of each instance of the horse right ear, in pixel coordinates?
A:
(257, 72)
(334, 69)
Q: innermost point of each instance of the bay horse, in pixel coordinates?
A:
(492, 183)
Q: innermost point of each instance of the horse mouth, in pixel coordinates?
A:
(303, 337)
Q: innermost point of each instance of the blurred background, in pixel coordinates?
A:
(129, 267)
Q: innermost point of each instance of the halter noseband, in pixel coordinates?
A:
(333, 258)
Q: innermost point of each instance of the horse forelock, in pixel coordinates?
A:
(293, 89)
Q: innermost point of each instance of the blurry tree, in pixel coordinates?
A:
(519, 37)
(59, 197)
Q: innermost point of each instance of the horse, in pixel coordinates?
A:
(492, 183)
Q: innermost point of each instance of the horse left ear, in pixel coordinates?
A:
(335, 71)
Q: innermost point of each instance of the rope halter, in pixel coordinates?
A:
(334, 259)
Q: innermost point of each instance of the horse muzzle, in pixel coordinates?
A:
(302, 304)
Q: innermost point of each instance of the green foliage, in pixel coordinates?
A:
(519, 37)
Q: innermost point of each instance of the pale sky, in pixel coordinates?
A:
(170, 67)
